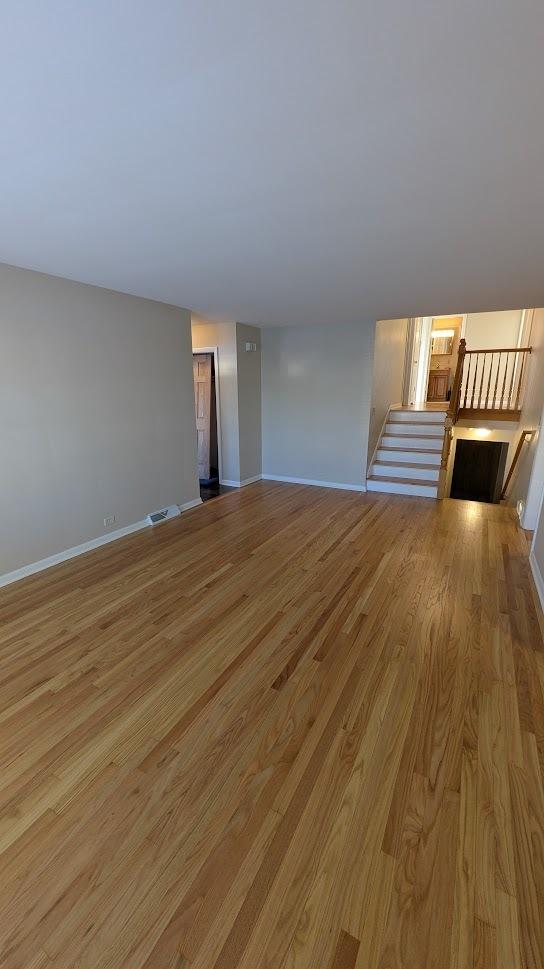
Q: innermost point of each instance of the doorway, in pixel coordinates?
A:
(478, 470)
(207, 414)
(431, 359)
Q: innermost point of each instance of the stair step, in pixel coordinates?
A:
(407, 441)
(390, 469)
(422, 488)
(418, 416)
(426, 427)
(409, 455)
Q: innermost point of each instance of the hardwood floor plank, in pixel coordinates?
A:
(347, 948)
(295, 728)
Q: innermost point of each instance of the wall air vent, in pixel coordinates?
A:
(165, 513)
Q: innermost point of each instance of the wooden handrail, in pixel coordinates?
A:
(503, 350)
(523, 437)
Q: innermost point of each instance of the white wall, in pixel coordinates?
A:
(388, 373)
(537, 551)
(239, 395)
(96, 413)
(249, 401)
(316, 388)
(223, 336)
(528, 482)
(486, 331)
(489, 331)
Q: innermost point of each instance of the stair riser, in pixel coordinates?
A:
(409, 457)
(419, 416)
(417, 429)
(397, 488)
(405, 471)
(390, 440)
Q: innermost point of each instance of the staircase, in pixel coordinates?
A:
(407, 459)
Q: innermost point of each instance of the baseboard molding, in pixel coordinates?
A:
(191, 504)
(310, 481)
(71, 553)
(240, 484)
(537, 576)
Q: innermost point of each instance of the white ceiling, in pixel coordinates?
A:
(278, 161)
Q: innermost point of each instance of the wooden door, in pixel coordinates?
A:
(202, 375)
(438, 385)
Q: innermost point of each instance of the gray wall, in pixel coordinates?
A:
(316, 386)
(388, 373)
(249, 401)
(96, 413)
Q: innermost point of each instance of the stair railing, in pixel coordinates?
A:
(488, 384)
(493, 382)
(524, 436)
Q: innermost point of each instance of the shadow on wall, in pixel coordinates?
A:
(387, 374)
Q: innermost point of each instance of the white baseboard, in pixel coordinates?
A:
(537, 576)
(240, 484)
(190, 504)
(310, 481)
(71, 553)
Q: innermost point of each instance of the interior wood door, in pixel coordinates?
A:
(202, 375)
(438, 385)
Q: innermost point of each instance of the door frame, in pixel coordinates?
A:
(424, 361)
(408, 361)
(215, 353)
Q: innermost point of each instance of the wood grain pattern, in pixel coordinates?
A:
(294, 728)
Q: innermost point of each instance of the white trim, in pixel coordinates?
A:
(240, 484)
(215, 351)
(310, 481)
(190, 504)
(71, 553)
(246, 481)
(408, 360)
(537, 576)
(424, 360)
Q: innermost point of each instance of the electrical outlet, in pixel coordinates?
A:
(110, 520)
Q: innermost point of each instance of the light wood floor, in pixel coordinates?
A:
(294, 728)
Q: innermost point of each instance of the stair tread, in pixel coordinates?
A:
(420, 423)
(432, 437)
(405, 464)
(425, 482)
(412, 410)
(415, 450)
